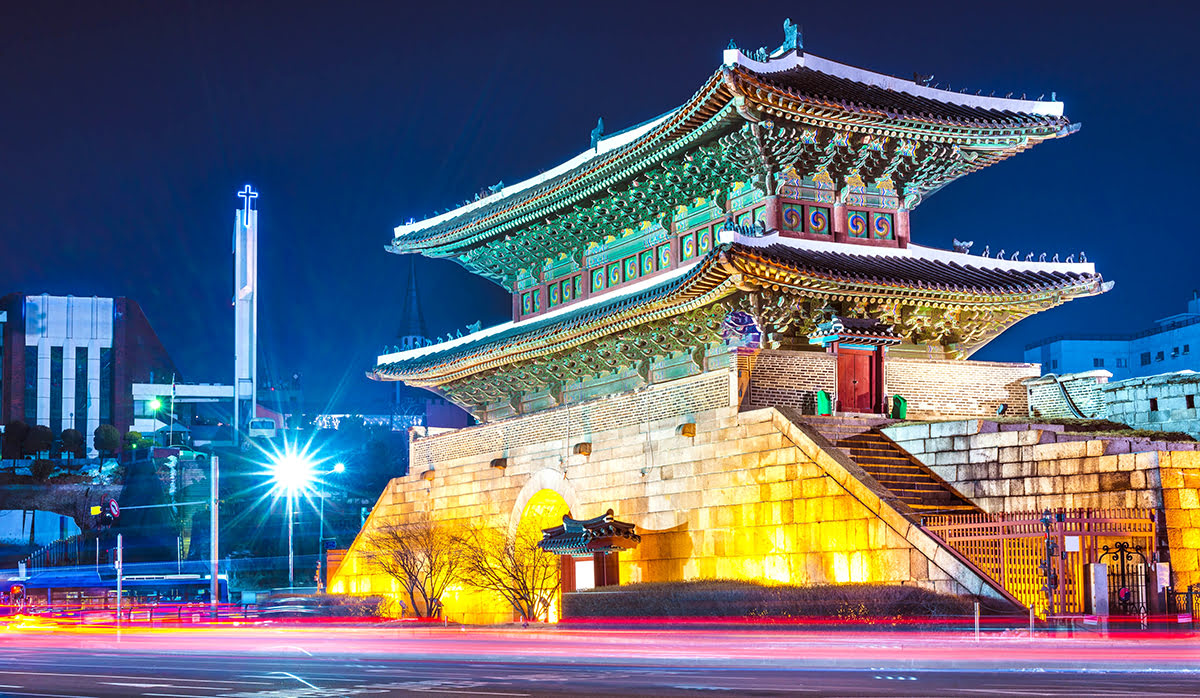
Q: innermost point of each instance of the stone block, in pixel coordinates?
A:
(943, 443)
(983, 455)
(960, 428)
(908, 432)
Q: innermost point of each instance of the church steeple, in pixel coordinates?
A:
(412, 332)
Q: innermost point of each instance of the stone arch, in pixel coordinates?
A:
(545, 479)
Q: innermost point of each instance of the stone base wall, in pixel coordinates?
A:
(933, 387)
(1029, 468)
(749, 496)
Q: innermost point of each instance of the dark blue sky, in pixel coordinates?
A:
(127, 128)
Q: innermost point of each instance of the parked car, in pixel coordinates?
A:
(181, 453)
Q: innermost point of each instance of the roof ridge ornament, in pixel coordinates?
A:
(793, 37)
(597, 133)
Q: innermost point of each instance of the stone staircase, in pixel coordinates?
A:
(858, 436)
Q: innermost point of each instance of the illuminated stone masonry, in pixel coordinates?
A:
(751, 495)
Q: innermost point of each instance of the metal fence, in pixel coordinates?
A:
(1040, 558)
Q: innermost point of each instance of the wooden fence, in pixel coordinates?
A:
(1012, 549)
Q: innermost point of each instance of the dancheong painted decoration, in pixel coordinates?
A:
(779, 193)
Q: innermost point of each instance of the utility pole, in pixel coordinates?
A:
(214, 522)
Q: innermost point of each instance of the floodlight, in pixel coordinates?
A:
(339, 467)
(292, 472)
(155, 404)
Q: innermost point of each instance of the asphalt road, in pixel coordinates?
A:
(253, 663)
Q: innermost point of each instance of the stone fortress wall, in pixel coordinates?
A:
(1006, 468)
(750, 496)
(1162, 402)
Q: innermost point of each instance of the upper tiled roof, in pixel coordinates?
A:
(854, 92)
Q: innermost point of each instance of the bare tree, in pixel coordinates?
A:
(511, 564)
(422, 554)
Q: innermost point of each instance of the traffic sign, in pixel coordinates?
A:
(113, 508)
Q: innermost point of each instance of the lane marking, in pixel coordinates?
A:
(134, 678)
(290, 675)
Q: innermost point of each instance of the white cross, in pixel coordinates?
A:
(249, 195)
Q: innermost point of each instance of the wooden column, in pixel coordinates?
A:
(608, 572)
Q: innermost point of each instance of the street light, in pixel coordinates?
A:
(292, 473)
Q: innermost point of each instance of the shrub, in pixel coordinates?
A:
(41, 469)
(334, 605)
(38, 439)
(134, 440)
(73, 443)
(739, 599)
(107, 438)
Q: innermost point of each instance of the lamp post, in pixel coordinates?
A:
(292, 473)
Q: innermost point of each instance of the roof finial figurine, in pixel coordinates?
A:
(1016, 255)
(1042, 257)
(987, 251)
(597, 133)
(1055, 259)
(793, 37)
(1070, 259)
(1000, 254)
(1029, 257)
(963, 246)
(1083, 256)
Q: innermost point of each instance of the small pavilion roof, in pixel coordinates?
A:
(602, 534)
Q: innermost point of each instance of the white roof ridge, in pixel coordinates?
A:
(605, 144)
(630, 290)
(790, 60)
(962, 259)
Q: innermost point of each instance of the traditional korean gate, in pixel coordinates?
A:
(1040, 558)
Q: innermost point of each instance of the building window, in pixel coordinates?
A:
(31, 381)
(56, 391)
(106, 386)
(1187, 349)
(1191, 401)
(1097, 363)
(81, 389)
(1122, 363)
(1158, 356)
(1054, 363)
(1145, 358)
(1174, 352)
(1153, 404)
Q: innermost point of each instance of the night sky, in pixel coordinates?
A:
(128, 128)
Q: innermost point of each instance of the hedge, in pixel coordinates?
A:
(742, 599)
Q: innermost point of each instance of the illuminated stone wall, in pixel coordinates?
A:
(1035, 467)
(936, 387)
(933, 387)
(1180, 473)
(750, 496)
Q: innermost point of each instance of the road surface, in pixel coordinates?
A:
(303, 661)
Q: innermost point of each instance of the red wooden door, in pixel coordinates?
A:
(856, 380)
